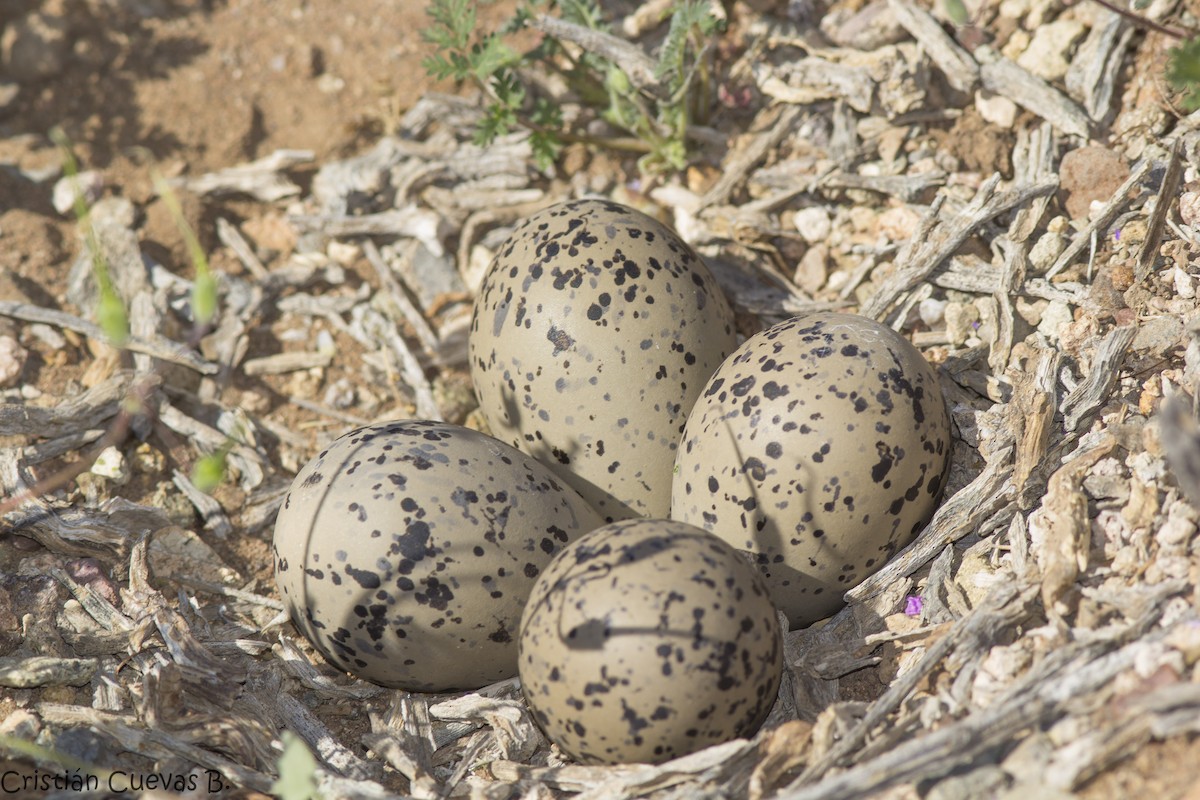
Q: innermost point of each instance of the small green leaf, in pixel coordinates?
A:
(1183, 71)
(204, 290)
(546, 147)
(209, 471)
(204, 298)
(297, 771)
(111, 316)
(490, 56)
(956, 11)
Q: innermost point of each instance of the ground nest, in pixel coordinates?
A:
(1016, 196)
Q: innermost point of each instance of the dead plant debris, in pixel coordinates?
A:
(1040, 631)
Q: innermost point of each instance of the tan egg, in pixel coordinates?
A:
(594, 331)
(646, 640)
(405, 552)
(821, 446)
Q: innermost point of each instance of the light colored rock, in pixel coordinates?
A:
(871, 27)
(1030, 310)
(996, 109)
(1185, 285)
(12, 360)
(1017, 43)
(1015, 9)
(961, 319)
(1049, 52)
(932, 311)
(111, 464)
(813, 269)
(344, 253)
(1054, 317)
(8, 95)
(1045, 250)
(898, 223)
(813, 224)
(88, 183)
(1189, 208)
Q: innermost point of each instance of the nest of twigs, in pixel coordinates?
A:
(1040, 630)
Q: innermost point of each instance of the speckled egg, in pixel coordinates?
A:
(405, 552)
(594, 331)
(646, 640)
(821, 446)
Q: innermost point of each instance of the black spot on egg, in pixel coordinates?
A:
(690, 622)
(415, 575)
(854, 427)
(627, 299)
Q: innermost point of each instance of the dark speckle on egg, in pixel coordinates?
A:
(647, 640)
(829, 440)
(615, 324)
(405, 550)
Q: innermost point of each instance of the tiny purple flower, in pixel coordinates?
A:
(914, 604)
(1117, 235)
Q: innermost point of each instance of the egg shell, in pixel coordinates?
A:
(593, 333)
(821, 446)
(646, 640)
(405, 552)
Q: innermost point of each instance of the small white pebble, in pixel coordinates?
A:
(111, 464)
(932, 311)
(344, 253)
(12, 361)
(898, 224)
(1056, 315)
(961, 319)
(996, 109)
(1046, 250)
(87, 183)
(1185, 285)
(1189, 208)
(813, 224)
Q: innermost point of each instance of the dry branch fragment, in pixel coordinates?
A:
(1094, 391)
(1004, 607)
(410, 221)
(35, 671)
(281, 363)
(1041, 695)
(906, 187)
(1006, 78)
(85, 411)
(940, 235)
(232, 238)
(397, 296)
(1035, 159)
(632, 59)
(812, 79)
(157, 347)
(1062, 522)
(153, 744)
(1031, 417)
(1158, 220)
(956, 64)
(261, 179)
(299, 719)
(773, 125)
(954, 519)
(1101, 220)
(1096, 66)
